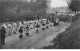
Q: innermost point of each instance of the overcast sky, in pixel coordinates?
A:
(58, 3)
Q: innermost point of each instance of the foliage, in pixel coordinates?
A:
(70, 39)
(74, 5)
(20, 10)
(65, 18)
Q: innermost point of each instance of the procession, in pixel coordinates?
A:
(24, 26)
(39, 24)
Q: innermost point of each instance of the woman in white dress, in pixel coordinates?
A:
(9, 29)
(14, 28)
(24, 26)
(19, 25)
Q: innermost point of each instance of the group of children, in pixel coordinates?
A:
(24, 27)
(15, 28)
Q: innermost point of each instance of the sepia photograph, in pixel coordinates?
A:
(39, 24)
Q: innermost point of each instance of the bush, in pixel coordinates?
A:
(65, 18)
(67, 40)
(70, 39)
(76, 17)
(8, 11)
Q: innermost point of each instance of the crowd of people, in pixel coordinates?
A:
(21, 27)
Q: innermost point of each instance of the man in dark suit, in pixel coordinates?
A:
(2, 35)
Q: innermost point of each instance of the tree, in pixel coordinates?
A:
(17, 9)
(74, 5)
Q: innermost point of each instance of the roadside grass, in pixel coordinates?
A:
(70, 39)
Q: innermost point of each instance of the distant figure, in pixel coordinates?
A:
(14, 28)
(24, 25)
(27, 30)
(25, 22)
(56, 22)
(43, 26)
(9, 29)
(34, 24)
(21, 32)
(2, 35)
(37, 26)
(20, 24)
(4, 25)
(41, 21)
(47, 23)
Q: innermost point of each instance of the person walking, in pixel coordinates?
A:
(2, 35)
(37, 28)
(27, 30)
(21, 32)
(43, 26)
(5, 26)
(14, 28)
(9, 30)
(47, 24)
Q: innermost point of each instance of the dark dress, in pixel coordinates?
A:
(37, 26)
(43, 27)
(43, 24)
(27, 33)
(21, 31)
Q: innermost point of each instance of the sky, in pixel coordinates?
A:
(58, 3)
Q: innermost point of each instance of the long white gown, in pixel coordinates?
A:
(14, 28)
(9, 30)
(20, 25)
(27, 30)
(24, 26)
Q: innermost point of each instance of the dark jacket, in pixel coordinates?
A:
(27, 28)
(2, 33)
(21, 30)
(37, 25)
